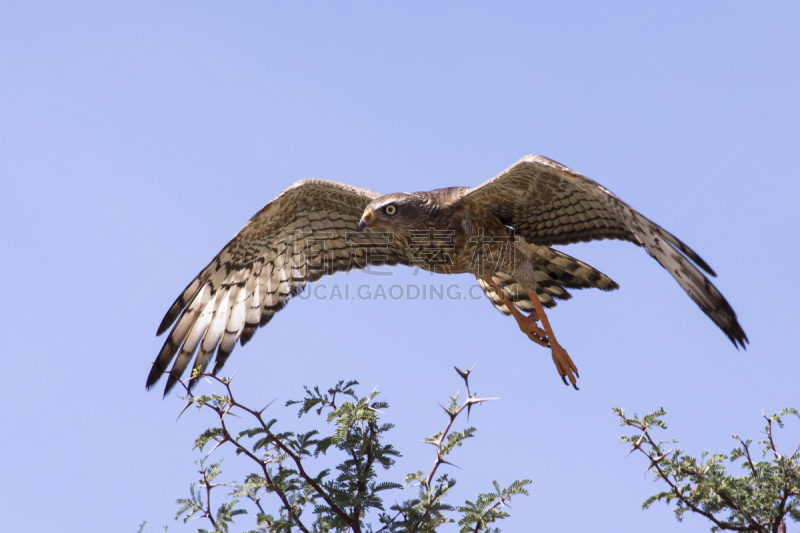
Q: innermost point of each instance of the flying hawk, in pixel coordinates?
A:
(500, 231)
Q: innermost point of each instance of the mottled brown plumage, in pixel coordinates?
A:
(500, 232)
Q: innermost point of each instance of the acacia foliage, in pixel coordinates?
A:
(288, 492)
(761, 500)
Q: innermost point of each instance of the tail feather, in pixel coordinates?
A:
(554, 271)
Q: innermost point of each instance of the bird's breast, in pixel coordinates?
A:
(459, 243)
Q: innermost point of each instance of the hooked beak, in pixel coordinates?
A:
(370, 220)
(368, 217)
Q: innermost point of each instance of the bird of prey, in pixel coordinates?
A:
(500, 231)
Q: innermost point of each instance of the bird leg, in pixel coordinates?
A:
(527, 324)
(562, 360)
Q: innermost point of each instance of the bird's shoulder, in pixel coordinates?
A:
(444, 197)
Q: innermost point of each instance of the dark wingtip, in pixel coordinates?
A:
(702, 264)
(697, 260)
(733, 330)
(153, 377)
(166, 322)
(692, 255)
(738, 337)
(612, 287)
(248, 332)
(221, 359)
(171, 382)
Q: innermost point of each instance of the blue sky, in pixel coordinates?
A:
(137, 137)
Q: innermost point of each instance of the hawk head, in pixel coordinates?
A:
(397, 212)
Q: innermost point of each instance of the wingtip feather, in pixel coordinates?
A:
(738, 337)
(171, 382)
(154, 376)
(166, 322)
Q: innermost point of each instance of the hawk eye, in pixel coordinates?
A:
(390, 209)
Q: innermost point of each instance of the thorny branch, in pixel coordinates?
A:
(453, 414)
(222, 411)
(657, 455)
(762, 518)
(208, 487)
(342, 509)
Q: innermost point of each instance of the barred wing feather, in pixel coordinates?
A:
(309, 230)
(549, 204)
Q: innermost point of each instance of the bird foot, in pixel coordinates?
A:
(528, 326)
(565, 366)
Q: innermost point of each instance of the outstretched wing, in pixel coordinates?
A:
(549, 204)
(309, 230)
